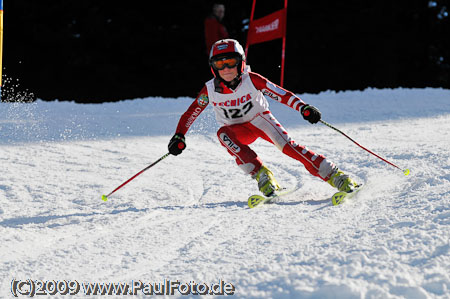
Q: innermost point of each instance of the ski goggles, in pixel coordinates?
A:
(221, 63)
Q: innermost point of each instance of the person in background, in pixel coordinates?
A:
(238, 97)
(214, 28)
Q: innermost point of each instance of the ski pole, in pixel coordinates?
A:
(405, 171)
(105, 197)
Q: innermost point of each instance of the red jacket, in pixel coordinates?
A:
(214, 31)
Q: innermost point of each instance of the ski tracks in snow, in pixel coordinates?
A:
(186, 218)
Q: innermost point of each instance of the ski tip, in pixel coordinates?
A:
(255, 200)
(406, 171)
(104, 198)
(338, 198)
(341, 196)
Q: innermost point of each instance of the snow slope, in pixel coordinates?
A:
(186, 218)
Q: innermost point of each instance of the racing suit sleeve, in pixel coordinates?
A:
(194, 110)
(276, 92)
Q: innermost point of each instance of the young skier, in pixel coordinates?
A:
(239, 101)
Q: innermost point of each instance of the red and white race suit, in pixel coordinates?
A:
(244, 115)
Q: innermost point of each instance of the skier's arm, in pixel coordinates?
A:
(309, 112)
(197, 107)
(276, 92)
(177, 143)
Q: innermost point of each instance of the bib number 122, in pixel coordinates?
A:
(237, 112)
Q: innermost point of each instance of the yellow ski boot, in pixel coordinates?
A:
(266, 182)
(342, 181)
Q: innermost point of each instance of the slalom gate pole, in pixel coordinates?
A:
(405, 171)
(105, 197)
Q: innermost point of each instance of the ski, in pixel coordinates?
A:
(256, 200)
(341, 196)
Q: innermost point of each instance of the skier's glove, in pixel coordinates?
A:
(177, 144)
(310, 113)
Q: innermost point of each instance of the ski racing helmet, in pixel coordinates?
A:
(225, 49)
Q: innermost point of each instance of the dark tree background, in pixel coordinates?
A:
(95, 51)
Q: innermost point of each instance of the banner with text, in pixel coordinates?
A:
(268, 28)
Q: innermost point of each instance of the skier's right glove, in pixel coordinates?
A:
(177, 144)
(310, 113)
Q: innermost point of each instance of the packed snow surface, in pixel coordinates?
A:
(186, 219)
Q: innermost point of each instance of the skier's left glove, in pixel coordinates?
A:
(310, 113)
(177, 144)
